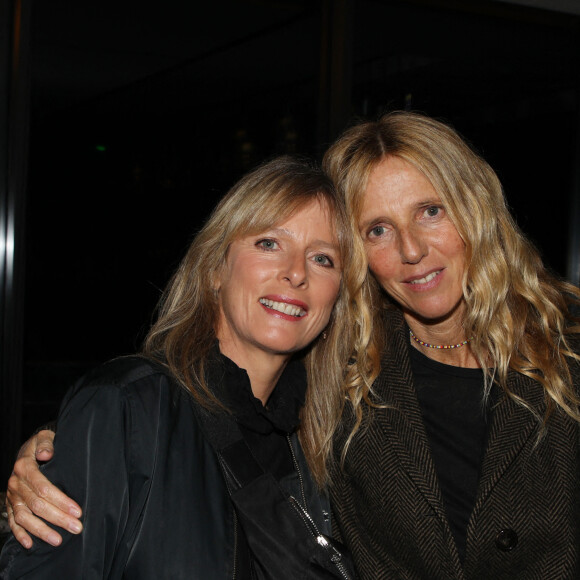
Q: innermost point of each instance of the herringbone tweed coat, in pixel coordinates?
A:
(387, 501)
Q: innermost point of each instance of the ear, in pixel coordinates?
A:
(216, 279)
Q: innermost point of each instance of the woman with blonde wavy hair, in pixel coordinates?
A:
(463, 459)
(186, 459)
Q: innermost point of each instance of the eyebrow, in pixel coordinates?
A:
(367, 223)
(380, 218)
(317, 242)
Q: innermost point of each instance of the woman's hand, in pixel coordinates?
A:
(30, 495)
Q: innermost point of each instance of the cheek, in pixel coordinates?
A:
(381, 264)
(245, 275)
(449, 242)
(456, 251)
(329, 296)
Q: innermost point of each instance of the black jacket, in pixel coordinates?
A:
(130, 450)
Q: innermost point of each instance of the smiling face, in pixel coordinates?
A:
(277, 288)
(413, 248)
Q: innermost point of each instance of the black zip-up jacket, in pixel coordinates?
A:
(130, 451)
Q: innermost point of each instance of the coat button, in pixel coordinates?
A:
(506, 540)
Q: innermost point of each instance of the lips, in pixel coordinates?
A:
(426, 279)
(284, 307)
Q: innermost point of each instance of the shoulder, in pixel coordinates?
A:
(127, 373)
(127, 405)
(124, 371)
(393, 321)
(122, 382)
(395, 348)
(574, 367)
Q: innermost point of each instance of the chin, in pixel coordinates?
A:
(281, 345)
(436, 313)
(284, 341)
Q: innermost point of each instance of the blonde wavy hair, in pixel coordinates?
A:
(184, 333)
(517, 311)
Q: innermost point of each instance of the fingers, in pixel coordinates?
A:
(29, 486)
(18, 513)
(19, 533)
(39, 446)
(31, 496)
(44, 447)
(26, 507)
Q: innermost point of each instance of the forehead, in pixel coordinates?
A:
(313, 224)
(394, 181)
(315, 214)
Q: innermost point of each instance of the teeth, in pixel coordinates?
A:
(283, 307)
(427, 278)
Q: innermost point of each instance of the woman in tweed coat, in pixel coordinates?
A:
(462, 460)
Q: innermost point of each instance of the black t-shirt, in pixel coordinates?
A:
(456, 421)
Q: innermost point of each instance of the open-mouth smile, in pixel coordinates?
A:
(426, 279)
(283, 307)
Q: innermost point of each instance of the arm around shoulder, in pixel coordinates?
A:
(89, 465)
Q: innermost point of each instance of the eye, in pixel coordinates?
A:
(267, 244)
(433, 211)
(324, 260)
(376, 232)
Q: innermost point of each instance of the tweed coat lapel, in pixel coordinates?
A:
(512, 425)
(402, 420)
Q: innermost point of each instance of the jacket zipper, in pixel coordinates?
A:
(228, 485)
(297, 468)
(335, 555)
(235, 571)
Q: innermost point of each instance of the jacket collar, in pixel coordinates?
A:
(512, 425)
(401, 419)
(232, 385)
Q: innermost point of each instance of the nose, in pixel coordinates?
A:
(412, 247)
(295, 271)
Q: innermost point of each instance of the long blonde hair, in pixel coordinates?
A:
(184, 333)
(516, 310)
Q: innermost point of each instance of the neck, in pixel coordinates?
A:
(264, 369)
(445, 333)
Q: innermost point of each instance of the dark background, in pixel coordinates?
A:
(143, 114)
